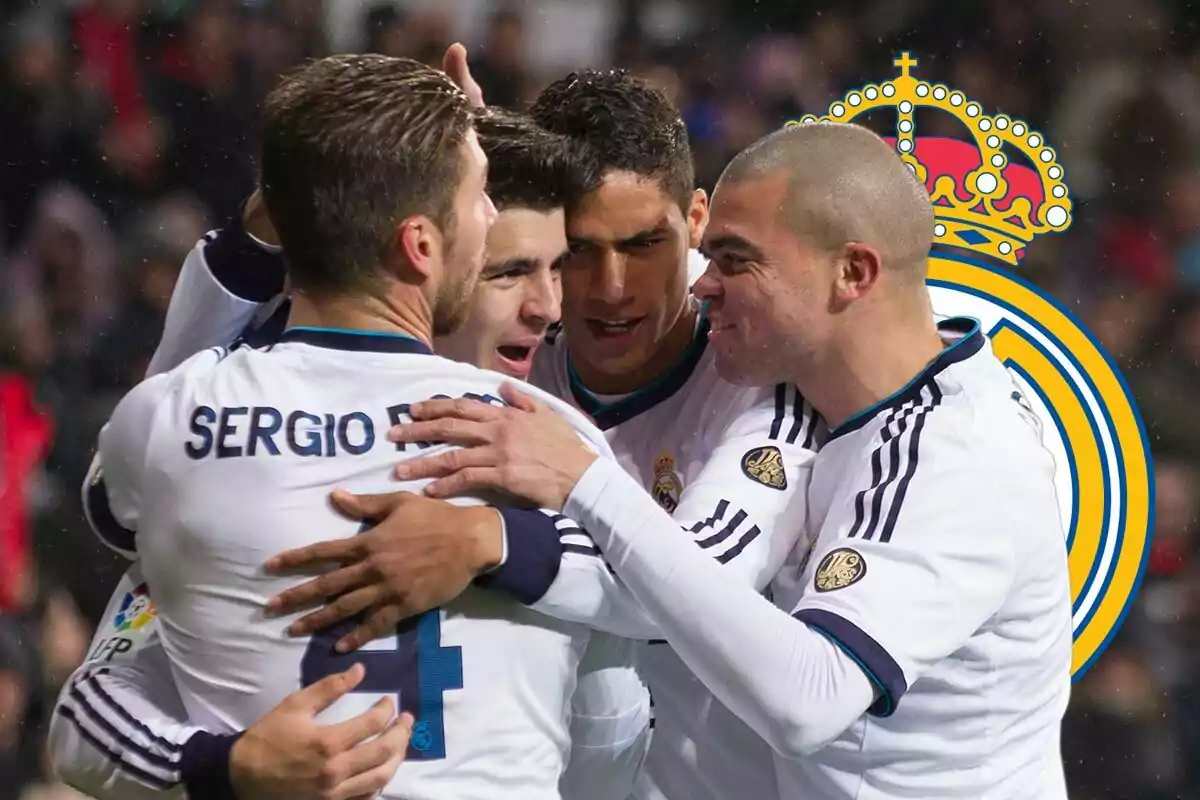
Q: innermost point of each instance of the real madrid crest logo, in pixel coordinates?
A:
(839, 569)
(996, 186)
(667, 487)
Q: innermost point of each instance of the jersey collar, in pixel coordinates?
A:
(360, 341)
(609, 415)
(966, 340)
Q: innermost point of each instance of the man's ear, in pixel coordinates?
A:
(858, 267)
(697, 218)
(418, 242)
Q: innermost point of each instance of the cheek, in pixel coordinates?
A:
(753, 305)
(481, 219)
(573, 287)
(485, 319)
(657, 281)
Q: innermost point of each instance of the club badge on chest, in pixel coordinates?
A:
(667, 487)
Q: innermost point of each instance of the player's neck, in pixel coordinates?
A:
(670, 349)
(369, 314)
(871, 365)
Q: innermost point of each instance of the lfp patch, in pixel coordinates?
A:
(136, 611)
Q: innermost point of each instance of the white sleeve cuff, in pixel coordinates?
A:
(503, 543)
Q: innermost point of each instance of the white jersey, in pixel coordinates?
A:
(730, 464)
(926, 650)
(212, 468)
(130, 736)
(941, 567)
(119, 728)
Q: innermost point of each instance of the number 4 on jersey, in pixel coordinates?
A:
(419, 671)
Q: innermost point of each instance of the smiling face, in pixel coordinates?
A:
(769, 292)
(625, 284)
(518, 296)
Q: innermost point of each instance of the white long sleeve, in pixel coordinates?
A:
(610, 723)
(745, 510)
(791, 684)
(228, 281)
(119, 726)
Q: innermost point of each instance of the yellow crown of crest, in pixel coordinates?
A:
(975, 223)
(664, 463)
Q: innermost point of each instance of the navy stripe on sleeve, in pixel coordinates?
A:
(99, 514)
(116, 756)
(717, 515)
(126, 718)
(724, 533)
(96, 715)
(583, 550)
(914, 444)
(733, 552)
(876, 662)
(794, 418)
(893, 465)
(780, 410)
(798, 407)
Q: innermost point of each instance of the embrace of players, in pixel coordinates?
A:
(460, 473)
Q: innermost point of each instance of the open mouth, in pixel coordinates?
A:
(514, 352)
(717, 330)
(516, 359)
(613, 329)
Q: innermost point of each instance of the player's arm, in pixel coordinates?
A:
(119, 729)
(423, 553)
(882, 609)
(747, 508)
(225, 281)
(112, 488)
(610, 723)
(799, 681)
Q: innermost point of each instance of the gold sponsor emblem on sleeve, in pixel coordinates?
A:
(838, 569)
(765, 465)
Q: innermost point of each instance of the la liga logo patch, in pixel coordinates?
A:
(994, 190)
(136, 610)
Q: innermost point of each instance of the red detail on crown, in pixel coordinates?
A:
(942, 155)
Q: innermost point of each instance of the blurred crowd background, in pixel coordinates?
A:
(127, 129)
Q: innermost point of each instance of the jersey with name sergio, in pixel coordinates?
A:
(940, 564)
(731, 465)
(230, 458)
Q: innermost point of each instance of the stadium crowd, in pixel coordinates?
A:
(128, 131)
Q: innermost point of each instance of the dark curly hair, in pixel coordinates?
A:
(629, 124)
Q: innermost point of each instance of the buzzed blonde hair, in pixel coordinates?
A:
(845, 184)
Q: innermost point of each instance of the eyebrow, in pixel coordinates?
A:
(511, 264)
(657, 230)
(733, 242)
